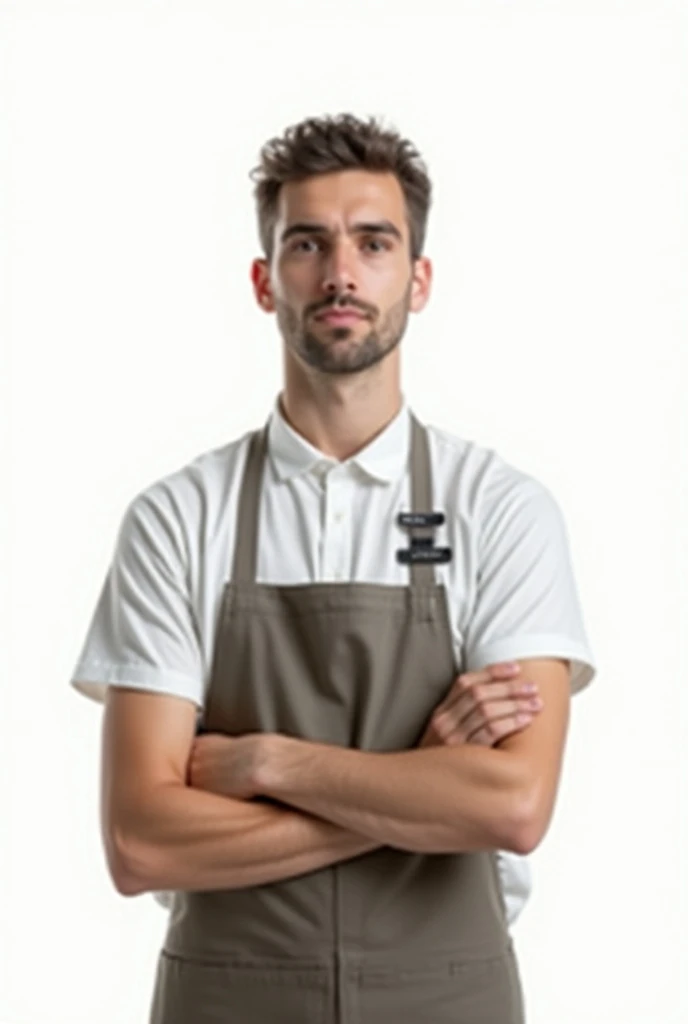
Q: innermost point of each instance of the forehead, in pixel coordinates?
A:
(343, 195)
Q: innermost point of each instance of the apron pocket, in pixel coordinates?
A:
(195, 991)
(473, 992)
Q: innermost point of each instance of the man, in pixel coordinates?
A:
(330, 602)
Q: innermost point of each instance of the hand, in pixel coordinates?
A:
(228, 765)
(483, 707)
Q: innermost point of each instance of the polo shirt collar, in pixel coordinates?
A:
(384, 459)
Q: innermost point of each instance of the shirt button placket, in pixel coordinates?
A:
(335, 516)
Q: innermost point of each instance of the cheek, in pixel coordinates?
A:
(294, 279)
(292, 304)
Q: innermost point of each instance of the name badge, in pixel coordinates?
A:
(423, 553)
(420, 518)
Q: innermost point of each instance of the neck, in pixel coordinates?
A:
(340, 416)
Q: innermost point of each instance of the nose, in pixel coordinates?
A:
(338, 274)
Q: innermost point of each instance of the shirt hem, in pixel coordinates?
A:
(537, 645)
(92, 679)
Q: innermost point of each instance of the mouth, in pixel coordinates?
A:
(341, 317)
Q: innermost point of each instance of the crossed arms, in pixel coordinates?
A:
(160, 833)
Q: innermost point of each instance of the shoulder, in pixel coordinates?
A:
(188, 501)
(480, 480)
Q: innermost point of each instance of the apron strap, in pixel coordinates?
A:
(422, 574)
(246, 538)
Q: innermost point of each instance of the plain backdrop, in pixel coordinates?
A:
(555, 136)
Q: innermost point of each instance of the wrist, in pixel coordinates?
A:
(269, 765)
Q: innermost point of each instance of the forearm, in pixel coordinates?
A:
(431, 800)
(183, 838)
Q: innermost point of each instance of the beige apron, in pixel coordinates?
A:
(387, 937)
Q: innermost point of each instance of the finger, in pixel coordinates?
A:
(500, 670)
(467, 681)
(460, 702)
(482, 715)
(461, 727)
(492, 732)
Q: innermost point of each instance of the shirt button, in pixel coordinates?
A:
(338, 517)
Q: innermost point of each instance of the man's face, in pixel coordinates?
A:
(342, 243)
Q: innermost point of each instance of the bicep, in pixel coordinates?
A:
(146, 742)
(539, 748)
(145, 630)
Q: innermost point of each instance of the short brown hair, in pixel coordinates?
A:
(321, 145)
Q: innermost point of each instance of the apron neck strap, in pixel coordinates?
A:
(246, 537)
(422, 574)
(246, 542)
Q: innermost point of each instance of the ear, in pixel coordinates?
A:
(260, 279)
(421, 284)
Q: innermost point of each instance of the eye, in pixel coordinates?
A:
(378, 241)
(302, 241)
(297, 246)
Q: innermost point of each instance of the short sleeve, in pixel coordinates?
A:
(143, 633)
(526, 604)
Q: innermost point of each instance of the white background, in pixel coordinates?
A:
(555, 136)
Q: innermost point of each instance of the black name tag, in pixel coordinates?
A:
(420, 518)
(422, 553)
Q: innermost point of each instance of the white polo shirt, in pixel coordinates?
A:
(510, 583)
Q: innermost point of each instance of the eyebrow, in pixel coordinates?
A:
(382, 227)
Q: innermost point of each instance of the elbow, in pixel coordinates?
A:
(524, 837)
(128, 867)
(527, 823)
(126, 884)
(137, 859)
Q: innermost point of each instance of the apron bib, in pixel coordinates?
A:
(388, 937)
